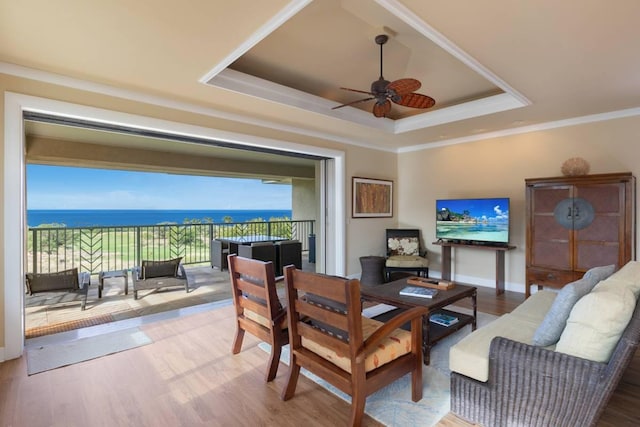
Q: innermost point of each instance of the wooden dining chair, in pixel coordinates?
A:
(329, 337)
(258, 310)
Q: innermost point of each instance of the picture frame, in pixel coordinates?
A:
(372, 198)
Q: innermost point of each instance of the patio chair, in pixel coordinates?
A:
(264, 251)
(219, 252)
(258, 310)
(288, 252)
(329, 337)
(61, 281)
(159, 274)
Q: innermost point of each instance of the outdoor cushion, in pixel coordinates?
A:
(58, 281)
(167, 268)
(395, 345)
(596, 323)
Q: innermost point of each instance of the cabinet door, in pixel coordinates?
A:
(601, 243)
(550, 242)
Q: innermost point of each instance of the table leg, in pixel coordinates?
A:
(100, 284)
(126, 282)
(426, 345)
(474, 301)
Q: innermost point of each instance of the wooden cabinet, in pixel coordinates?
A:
(575, 223)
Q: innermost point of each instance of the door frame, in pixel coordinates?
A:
(332, 199)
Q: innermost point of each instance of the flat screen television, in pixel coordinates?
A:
(482, 221)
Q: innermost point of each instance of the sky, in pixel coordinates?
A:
(57, 187)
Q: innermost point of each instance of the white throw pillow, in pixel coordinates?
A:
(596, 324)
(628, 276)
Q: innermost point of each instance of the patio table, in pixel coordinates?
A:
(110, 275)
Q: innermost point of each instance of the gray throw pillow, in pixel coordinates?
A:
(598, 274)
(555, 320)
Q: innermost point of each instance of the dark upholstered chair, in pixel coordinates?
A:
(404, 254)
(258, 310)
(159, 274)
(288, 252)
(329, 337)
(533, 386)
(264, 251)
(61, 281)
(219, 253)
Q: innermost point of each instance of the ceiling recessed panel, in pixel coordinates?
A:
(330, 44)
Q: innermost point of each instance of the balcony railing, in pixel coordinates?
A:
(96, 249)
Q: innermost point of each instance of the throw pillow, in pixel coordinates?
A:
(596, 324)
(628, 276)
(549, 331)
(555, 320)
(167, 268)
(403, 246)
(597, 274)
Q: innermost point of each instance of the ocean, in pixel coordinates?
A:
(88, 218)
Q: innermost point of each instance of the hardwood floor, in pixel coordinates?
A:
(188, 377)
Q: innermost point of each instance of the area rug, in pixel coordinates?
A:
(392, 405)
(51, 356)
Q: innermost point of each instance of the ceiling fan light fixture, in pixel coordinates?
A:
(401, 92)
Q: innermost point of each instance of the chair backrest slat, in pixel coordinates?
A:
(329, 317)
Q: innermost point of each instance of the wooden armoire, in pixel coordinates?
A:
(575, 223)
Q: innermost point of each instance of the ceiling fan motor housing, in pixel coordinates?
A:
(379, 87)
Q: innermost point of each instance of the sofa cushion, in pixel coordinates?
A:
(549, 331)
(596, 323)
(395, 345)
(470, 356)
(534, 309)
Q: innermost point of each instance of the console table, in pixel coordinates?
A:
(499, 250)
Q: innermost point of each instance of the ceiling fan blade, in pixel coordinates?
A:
(416, 100)
(354, 102)
(381, 110)
(356, 90)
(404, 86)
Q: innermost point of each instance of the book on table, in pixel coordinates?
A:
(443, 319)
(416, 291)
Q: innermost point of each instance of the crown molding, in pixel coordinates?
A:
(73, 83)
(575, 121)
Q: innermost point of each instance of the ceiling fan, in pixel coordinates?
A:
(402, 91)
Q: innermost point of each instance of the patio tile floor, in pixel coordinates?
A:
(50, 313)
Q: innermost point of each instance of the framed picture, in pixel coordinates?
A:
(372, 198)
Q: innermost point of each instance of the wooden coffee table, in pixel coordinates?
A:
(389, 293)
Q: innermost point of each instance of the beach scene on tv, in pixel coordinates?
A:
(482, 220)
